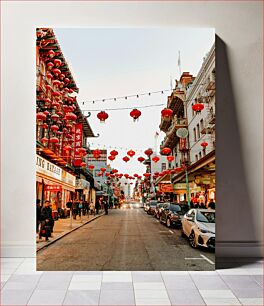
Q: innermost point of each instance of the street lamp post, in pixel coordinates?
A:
(187, 186)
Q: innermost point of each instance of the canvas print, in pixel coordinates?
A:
(125, 149)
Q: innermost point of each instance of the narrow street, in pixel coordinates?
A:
(126, 239)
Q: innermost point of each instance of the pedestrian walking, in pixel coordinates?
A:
(97, 206)
(92, 208)
(105, 207)
(47, 222)
(75, 209)
(80, 207)
(38, 216)
(202, 205)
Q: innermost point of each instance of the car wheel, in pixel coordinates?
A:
(168, 222)
(192, 240)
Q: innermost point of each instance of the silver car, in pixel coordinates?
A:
(199, 226)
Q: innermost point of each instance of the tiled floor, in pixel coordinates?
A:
(22, 285)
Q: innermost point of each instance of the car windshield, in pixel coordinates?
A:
(206, 217)
(175, 208)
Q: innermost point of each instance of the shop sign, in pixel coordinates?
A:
(68, 178)
(180, 186)
(53, 188)
(82, 184)
(48, 168)
(182, 144)
(165, 188)
(78, 144)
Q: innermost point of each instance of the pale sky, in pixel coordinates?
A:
(116, 62)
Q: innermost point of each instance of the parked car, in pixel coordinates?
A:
(159, 208)
(199, 226)
(173, 214)
(152, 206)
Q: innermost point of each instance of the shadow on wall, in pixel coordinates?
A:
(235, 219)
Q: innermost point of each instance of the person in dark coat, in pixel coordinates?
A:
(38, 215)
(105, 206)
(47, 222)
(211, 204)
(202, 205)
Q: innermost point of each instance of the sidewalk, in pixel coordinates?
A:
(62, 228)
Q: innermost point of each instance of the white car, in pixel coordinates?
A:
(199, 226)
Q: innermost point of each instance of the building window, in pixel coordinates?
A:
(194, 134)
(202, 124)
(200, 155)
(198, 131)
(176, 165)
(196, 157)
(204, 152)
(192, 110)
(163, 166)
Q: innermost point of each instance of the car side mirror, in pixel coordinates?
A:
(189, 218)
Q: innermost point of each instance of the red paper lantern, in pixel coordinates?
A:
(198, 107)
(126, 159)
(51, 53)
(204, 144)
(66, 81)
(135, 114)
(40, 117)
(54, 140)
(44, 140)
(147, 174)
(111, 157)
(49, 75)
(170, 158)
(70, 116)
(131, 153)
(48, 87)
(54, 128)
(82, 151)
(56, 83)
(156, 173)
(96, 152)
(56, 71)
(62, 76)
(167, 113)
(50, 65)
(155, 159)
(82, 164)
(148, 152)
(114, 171)
(57, 62)
(102, 116)
(135, 175)
(166, 151)
(67, 148)
(55, 117)
(141, 159)
(45, 126)
(91, 167)
(103, 169)
(107, 174)
(114, 153)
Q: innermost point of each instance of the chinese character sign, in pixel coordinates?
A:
(78, 144)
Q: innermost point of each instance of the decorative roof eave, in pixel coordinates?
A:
(52, 43)
(210, 157)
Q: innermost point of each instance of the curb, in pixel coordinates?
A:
(67, 233)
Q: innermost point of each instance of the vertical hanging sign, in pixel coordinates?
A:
(77, 145)
(183, 146)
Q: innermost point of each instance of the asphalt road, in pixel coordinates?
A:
(124, 240)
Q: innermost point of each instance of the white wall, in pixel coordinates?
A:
(238, 24)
